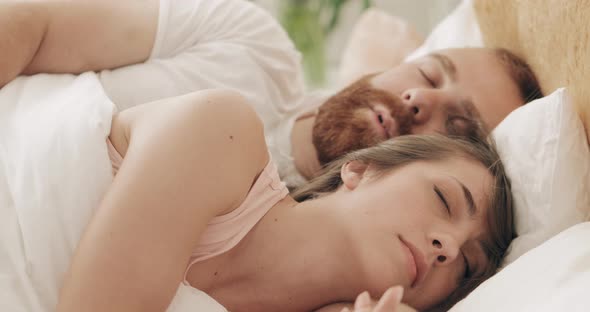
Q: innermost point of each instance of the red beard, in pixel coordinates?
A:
(340, 126)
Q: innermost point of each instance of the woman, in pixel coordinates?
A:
(198, 199)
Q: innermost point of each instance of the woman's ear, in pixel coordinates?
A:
(352, 173)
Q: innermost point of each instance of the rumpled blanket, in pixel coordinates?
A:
(54, 171)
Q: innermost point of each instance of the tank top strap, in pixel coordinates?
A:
(226, 231)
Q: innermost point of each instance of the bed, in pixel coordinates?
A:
(544, 146)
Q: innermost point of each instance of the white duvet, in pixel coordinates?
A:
(54, 170)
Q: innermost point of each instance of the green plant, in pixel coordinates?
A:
(308, 23)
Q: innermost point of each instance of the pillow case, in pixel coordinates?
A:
(459, 29)
(378, 41)
(552, 277)
(544, 150)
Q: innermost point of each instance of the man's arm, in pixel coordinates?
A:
(73, 37)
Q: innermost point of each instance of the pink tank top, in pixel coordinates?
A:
(226, 231)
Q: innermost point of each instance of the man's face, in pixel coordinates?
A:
(454, 92)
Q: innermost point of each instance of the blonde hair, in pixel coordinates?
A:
(409, 148)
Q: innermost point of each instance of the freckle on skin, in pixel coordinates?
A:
(231, 137)
(276, 219)
(215, 273)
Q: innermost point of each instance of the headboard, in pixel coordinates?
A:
(552, 35)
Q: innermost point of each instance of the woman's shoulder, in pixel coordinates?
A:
(223, 115)
(219, 127)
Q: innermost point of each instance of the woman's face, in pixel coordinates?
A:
(421, 225)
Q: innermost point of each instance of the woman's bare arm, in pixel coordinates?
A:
(189, 159)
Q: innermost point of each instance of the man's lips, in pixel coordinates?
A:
(375, 123)
(385, 121)
(416, 264)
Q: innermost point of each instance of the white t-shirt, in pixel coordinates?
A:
(231, 44)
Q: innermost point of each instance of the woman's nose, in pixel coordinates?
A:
(444, 249)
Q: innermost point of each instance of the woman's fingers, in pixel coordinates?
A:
(363, 301)
(390, 300)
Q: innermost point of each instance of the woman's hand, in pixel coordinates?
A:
(389, 302)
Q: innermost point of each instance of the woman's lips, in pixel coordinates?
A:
(412, 267)
(416, 264)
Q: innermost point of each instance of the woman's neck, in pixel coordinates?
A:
(298, 257)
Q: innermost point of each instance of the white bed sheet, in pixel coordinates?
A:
(54, 171)
(555, 276)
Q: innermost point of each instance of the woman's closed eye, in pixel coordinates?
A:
(467, 268)
(442, 198)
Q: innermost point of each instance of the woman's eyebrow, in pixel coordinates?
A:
(471, 207)
(447, 65)
(482, 245)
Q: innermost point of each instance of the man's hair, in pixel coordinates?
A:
(406, 149)
(521, 73)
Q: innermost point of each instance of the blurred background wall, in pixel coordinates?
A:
(320, 28)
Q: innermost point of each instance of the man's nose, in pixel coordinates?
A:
(423, 103)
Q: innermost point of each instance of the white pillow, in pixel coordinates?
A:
(379, 40)
(544, 149)
(552, 277)
(458, 30)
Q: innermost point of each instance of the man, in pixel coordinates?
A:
(455, 92)
(148, 50)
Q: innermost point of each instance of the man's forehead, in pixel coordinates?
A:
(479, 76)
(445, 62)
